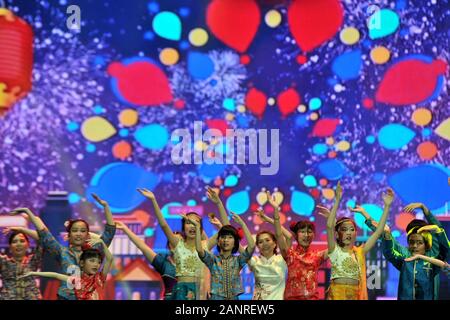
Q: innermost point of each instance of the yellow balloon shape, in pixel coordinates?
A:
(198, 37)
(343, 145)
(273, 18)
(443, 130)
(97, 129)
(261, 198)
(278, 197)
(349, 35)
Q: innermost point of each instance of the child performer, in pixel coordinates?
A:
(348, 272)
(225, 268)
(92, 282)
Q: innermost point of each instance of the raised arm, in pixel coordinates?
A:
(105, 205)
(138, 242)
(441, 246)
(214, 197)
(248, 235)
(434, 261)
(173, 239)
(331, 220)
(31, 233)
(281, 241)
(33, 218)
(212, 242)
(286, 233)
(198, 236)
(388, 197)
(46, 239)
(109, 259)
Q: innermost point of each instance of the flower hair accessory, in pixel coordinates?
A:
(292, 224)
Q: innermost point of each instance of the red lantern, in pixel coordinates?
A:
(16, 59)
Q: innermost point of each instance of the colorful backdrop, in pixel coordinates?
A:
(357, 89)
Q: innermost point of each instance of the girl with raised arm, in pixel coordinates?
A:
(188, 266)
(225, 268)
(348, 262)
(78, 233)
(91, 283)
(18, 263)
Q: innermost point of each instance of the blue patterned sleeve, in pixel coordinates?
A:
(48, 242)
(208, 259)
(244, 257)
(108, 234)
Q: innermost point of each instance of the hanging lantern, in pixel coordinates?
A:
(16, 59)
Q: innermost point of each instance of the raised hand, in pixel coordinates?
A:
(100, 201)
(429, 228)
(387, 229)
(260, 213)
(338, 191)
(191, 221)
(388, 197)
(413, 206)
(7, 230)
(323, 211)
(212, 195)
(412, 258)
(237, 218)
(147, 193)
(19, 211)
(271, 200)
(120, 225)
(214, 220)
(93, 235)
(93, 242)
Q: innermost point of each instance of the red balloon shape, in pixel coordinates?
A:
(325, 128)
(234, 22)
(312, 22)
(218, 124)
(288, 101)
(141, 83)
(256, 101)
(410, 81)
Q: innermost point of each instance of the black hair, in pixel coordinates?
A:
(229, 230)
(14, 234)
(72, 222)
(295, 226)
(91, 253)
(415, 223)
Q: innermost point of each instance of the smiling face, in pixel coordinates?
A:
(19, 245)
(305, 236)
(416, 244)
(347, 233)
(78, 234)
(266, 243)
